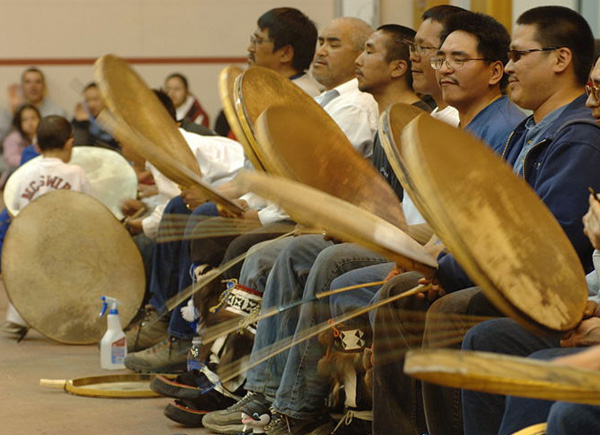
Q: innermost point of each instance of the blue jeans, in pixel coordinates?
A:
(257, 265)
(522, 412)
(170, 267)
(483, 412)
(285, 284)
(302, 390)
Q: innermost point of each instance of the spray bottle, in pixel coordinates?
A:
(113, 346)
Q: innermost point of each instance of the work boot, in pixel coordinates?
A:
(168, 356)
(229, 420)
(150, 329)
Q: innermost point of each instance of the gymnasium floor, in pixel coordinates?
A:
(27, 408)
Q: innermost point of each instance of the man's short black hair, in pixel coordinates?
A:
(53, 132)
(181, 77)
(167, 102)
(557, 26)
(493, 40)
(289, 26)
(395, 48)
(440, 13)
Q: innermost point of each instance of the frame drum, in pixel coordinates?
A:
(341, 219)
(113, 180)
(503, 374)
(496, 226)
(61, 253)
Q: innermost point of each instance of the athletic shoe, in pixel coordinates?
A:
(284, 425)
(229, 420)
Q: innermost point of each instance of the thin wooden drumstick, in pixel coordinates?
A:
(214, 273)
(136, 215)
(235, 369)
(211, 334)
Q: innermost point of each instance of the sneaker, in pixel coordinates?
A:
(190, 412)
(284, 425)
(168, 356)
(13, 328)
(150, 329)
(192, 385)
(229, 420)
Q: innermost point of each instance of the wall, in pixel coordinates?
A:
(86, 29)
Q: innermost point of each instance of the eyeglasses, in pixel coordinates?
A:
(593, 90)
(451, 62)
(415, 48)
(515, 55)
(258, 41)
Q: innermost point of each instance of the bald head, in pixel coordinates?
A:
(340, 43)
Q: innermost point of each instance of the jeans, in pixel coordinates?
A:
(483, 412)
(302, 390)
(285, 284)
(258, 264)
(170, 267)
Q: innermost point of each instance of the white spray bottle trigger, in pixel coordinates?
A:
(106, 301)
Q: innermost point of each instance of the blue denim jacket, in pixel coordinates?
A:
(559, 168)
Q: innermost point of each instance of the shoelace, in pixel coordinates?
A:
(349, 416)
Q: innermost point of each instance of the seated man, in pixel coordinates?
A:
(505, 336)
(51, 172)
(86, 128)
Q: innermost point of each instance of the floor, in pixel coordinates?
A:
(27, 408)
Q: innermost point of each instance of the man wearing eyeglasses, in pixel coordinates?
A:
(284, 41)
(470, 70)
(557, 151)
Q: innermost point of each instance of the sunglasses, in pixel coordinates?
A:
(516, 55)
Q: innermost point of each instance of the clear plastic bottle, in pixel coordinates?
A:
(194, 362)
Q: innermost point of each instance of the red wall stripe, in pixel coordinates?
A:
(132, 60)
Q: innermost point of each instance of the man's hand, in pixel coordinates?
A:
(587, 359)
(194, 197)
(397, 270)
(80, 113)
(247, 213)
(591, 222)
(131, 206)
(434, 292)
(134, 226)
(586, 334)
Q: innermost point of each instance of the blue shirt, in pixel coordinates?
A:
(534, 134)
(495, 123)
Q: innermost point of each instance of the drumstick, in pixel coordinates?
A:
(136, 215)
(233, 370)
(211, 334)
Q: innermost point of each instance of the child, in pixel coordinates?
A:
(40, 176)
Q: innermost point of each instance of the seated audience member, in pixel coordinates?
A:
(25, 124)
(187, 106)
(33, 91)
(55, 141)
(86, 129)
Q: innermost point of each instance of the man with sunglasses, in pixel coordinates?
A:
(557, 151)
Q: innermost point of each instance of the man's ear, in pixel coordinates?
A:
(563, 58)
(496, 73)
(286, 54)
(398, 68)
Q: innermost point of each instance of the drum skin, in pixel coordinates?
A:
(341, 219)
(496, 226)
(112, 178)
(61, 253)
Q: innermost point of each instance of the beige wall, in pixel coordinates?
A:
(136, 28)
